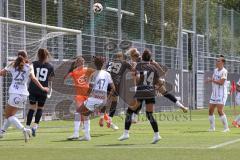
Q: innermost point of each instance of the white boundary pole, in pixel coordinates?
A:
(53, 28)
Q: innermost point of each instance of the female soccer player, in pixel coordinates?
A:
(44, 72)
(21, 71)
(147, 78)
(99, 82)
(219, 94)
(80, 76)
(116, 68)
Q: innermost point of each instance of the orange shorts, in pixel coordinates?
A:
(80, 100)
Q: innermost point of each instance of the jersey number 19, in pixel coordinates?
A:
(42, 74)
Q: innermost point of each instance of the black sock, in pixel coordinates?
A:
(170, 97)
(113, 108)
(152, 121)
(30, 116)
(38, 115)
(128, 119)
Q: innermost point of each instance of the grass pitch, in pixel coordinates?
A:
(184, 137)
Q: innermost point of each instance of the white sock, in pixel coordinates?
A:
(6, 124)
(77, 123)
(126, 131)
(224, 121)
(237, 119)
(156, 134)
(212, 121)
(76, 127)
(87, 127)
(179, 104)
(15, 121)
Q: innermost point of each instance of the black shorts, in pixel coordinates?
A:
(37, 98)
(147, 101)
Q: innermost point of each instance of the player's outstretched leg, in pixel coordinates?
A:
(4, 128)
(15, 121)
(174, 100)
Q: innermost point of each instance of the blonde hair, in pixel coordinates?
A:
(134, 52)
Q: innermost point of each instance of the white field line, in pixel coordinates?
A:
(109, 147)
(224, 144)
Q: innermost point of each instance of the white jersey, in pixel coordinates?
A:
(19, 79)
(219, 92)
(100, 80)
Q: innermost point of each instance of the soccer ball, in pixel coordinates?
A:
(97, 8)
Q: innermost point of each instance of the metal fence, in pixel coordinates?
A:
(184, 35)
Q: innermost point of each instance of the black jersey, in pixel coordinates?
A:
(43, 72)
(117, 68)
(149, 76)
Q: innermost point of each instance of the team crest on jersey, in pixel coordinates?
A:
(82, 80)
(17, 100)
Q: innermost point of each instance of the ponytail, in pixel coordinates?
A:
(19, 63)
(21, 60)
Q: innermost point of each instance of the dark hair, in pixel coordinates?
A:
(99, 61)
(43, 54)
(21, 60)
(146, 56)
(222, 58)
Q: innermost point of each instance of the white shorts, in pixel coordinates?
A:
(237, 99)
(93, 103)
(218, 100)
(17, 100)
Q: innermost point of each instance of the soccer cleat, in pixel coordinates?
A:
(34, 132)
(156, 139)
(85, 138)
(184, 109)
(211, 130)
(109, 123)
(235, 124)
(125, 136)
(73, 137)
(226, 130)
(114, 126)
(101, 122)
(26, 134)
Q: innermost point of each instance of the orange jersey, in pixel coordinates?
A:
(80, 77)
